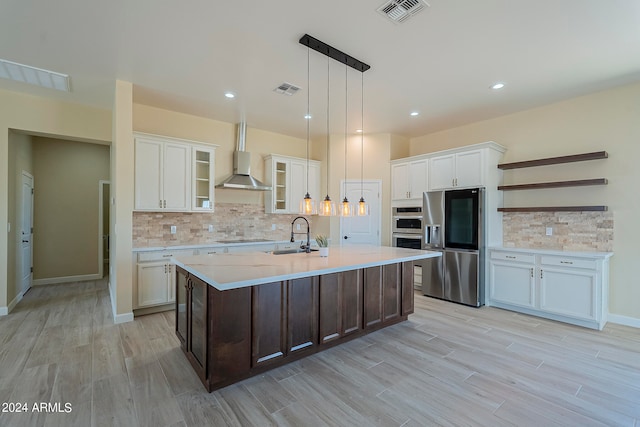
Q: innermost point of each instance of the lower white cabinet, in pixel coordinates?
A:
(154, 283)
(571, 288)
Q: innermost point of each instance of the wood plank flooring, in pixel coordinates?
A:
(448, 365)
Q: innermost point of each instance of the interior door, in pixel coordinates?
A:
(362, 230)
(26, 246)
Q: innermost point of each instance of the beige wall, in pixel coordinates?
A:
(608, 120)
(66, 207)
(35, 115)
(20, 159)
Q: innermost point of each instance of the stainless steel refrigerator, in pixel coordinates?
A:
(453, 224)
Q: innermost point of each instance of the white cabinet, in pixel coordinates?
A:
(154, 282)
(571, 288)
(202, 179)
(457, 170)
(172, 174)
(409, 179)
(288, 178)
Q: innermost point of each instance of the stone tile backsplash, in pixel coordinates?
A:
(572, 231)
(231, 221)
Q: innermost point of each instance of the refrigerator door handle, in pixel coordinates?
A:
(435, 235)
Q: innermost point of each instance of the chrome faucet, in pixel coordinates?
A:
(307, 247)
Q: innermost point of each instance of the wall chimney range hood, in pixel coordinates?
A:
(241, 178)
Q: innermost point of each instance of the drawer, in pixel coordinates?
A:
(285, 246)
(163, 255)
(214, 250)
(513, 256)
(561, 261)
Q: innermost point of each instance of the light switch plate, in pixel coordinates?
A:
(210, 228)
(549, 231)
(173, 229)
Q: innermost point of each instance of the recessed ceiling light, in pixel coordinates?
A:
(498, 85)
(230, 95)
(414, 113)
(307, 116)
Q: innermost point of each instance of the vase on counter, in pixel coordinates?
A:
(324, 252)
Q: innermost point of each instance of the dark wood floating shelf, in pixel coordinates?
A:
(555, 160)
(556, 209)
(556, 184)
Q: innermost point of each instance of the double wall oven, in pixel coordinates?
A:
(407, 227)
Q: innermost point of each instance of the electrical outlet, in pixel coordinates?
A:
(173, 229)
(273, 226)
(298, 227)
(210, 228)
(549, 231)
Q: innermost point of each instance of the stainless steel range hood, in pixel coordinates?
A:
(241, 178)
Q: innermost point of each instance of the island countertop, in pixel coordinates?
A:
(238, 270)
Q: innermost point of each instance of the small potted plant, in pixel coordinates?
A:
(323, 244)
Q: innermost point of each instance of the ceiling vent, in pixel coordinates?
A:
(401, 10)
(35, 76)
(287, 89)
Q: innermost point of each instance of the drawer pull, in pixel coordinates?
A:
(510, 257)
(167, 256)
(566, 262)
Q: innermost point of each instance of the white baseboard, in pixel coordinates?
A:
(65, 279)
(4, 311)
(118, 318)
(624, 320)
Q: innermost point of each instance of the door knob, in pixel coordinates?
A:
(346, 237)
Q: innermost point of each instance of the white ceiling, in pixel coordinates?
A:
(183, 55)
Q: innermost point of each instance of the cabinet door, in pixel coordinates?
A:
(441, 172)
(171, 282)
(280, 186)
(419, 179)
(469, 168)
(330, 307)
(148, 175)
(407, 288)
(198, 323)
(269, 331)
(569, 292)
(400, 181)
(372, 297)
(202, 179)
(176, 177)
(181, 306)
(153, 284)
(302, 316)
(391, 292)
(512, 283)
(351, 290)
(297, 185)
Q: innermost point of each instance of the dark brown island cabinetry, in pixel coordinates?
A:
(231, 335)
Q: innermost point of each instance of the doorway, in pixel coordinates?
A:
(26, 233)
(104, 192)
(362, 230)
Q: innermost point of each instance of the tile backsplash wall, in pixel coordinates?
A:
(230, 221)
(572, 231)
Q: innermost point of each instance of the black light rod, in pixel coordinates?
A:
(333, 53)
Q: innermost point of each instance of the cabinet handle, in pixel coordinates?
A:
(566, 262)
(165, 203)
(160, 203)
(167, 256)
(541, 274)
(510, 257)
(531, 271)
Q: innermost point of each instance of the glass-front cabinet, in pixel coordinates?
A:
(203, 179)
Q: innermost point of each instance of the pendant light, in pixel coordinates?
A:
(327, 207)
(363, 207)
(345, 207)
(307, 205)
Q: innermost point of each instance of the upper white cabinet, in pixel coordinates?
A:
(288, 178)
(571, 287)
(172, 174)
(409, 179)
(458, 170)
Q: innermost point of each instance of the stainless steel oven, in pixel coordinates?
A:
(408, 240)
(407, 220)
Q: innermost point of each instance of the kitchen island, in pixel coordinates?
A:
(238, 315)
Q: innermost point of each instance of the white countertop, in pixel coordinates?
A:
(584, 254)
(237, 270)
(210, 245)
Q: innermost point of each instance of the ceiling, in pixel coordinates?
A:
(441, 62)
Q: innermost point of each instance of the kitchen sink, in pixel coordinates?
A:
(291, 251)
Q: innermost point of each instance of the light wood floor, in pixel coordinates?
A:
(449, 365)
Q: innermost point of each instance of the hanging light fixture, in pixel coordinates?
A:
(363, 207)
(327, 207)
(345, 207)
(307, 205)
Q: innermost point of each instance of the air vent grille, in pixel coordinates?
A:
(35, 76)
(400, 10)
(287, 89)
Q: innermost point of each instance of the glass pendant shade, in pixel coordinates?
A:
(327, 207)
(363, 207)
(346, 208)
(307, 206)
